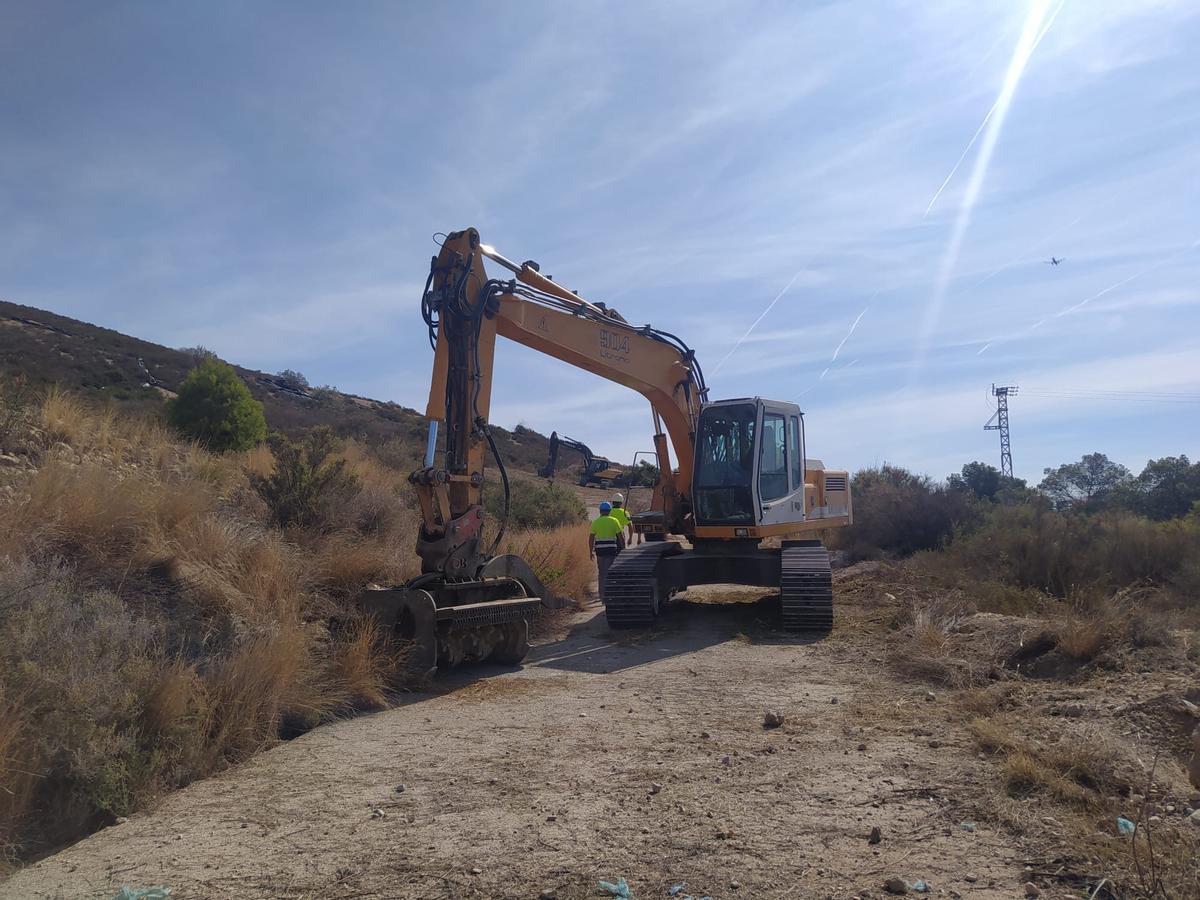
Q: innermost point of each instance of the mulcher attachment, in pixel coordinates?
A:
(806, 586)
(442, 623)
(634, 595)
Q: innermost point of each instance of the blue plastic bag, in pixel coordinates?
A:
(158, 892)
(620, 889)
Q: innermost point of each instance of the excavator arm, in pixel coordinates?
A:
(465, 311)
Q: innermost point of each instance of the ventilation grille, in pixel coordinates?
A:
(835, 482)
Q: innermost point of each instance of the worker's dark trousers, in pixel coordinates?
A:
(606, 552)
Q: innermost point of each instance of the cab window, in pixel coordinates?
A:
(725, 464)
(773, 460)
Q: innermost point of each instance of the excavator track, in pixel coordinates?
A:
(806, 586)
(632, 597)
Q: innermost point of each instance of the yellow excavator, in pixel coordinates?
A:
(738, 477)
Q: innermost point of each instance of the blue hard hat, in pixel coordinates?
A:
(605, 507)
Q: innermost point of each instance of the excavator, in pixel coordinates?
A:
(739, 493)
(597, 470)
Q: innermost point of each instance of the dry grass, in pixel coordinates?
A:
(365, 664)
(345, 564)
(154, 626)
(16, 779)
(1073, 770)
(559, 557)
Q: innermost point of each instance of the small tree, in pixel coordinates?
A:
(214, 407)
(305, 479)
(1088, 481)
(979, 478)
(986, 483)
(1166, 489)
(293, 379)
(199, 353)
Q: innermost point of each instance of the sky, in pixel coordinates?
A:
(849, 205)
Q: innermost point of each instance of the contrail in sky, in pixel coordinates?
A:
(1025, 254)
(839, 347)
(1001, 99)
(970, 144)
(848, 333)
(1075, 307)
(984, 347)
(762, 315)
(1036, 26)
(1124, 281)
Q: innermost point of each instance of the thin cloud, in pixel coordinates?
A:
(1124, 281)
(850, 332)
(1036, 26)
(770, 306)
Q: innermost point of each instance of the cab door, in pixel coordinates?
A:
(780, 483)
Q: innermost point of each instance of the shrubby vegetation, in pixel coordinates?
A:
(897, 513)
(167, 610)
(306, 479)
(535, 504)
(1091, 536)
(293, 379)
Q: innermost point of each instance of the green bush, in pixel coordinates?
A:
(215, 407)
(535, 504)
(305, 481)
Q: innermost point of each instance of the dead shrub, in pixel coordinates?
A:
(364, 664)
(84, 510)
(268, 686)
(1084, 641)
(1079, 771)
(175, 722)
(983, 702)
(559, 557)
(346, 563)
(64, 419)
(16, 779)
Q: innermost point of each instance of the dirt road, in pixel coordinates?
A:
(608, 755)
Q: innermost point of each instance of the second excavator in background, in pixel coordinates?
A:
(738, 481)
(598, 471)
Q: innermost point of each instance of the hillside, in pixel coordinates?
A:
(99, 363)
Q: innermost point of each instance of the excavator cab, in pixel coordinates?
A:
(749, 464)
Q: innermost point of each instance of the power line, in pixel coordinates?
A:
(1067, 390)
(1114, 395)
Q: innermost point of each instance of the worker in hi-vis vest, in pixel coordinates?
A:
(622, 515)
(605, 541)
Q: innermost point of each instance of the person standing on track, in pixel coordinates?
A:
(621, 515)
(605, 541)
